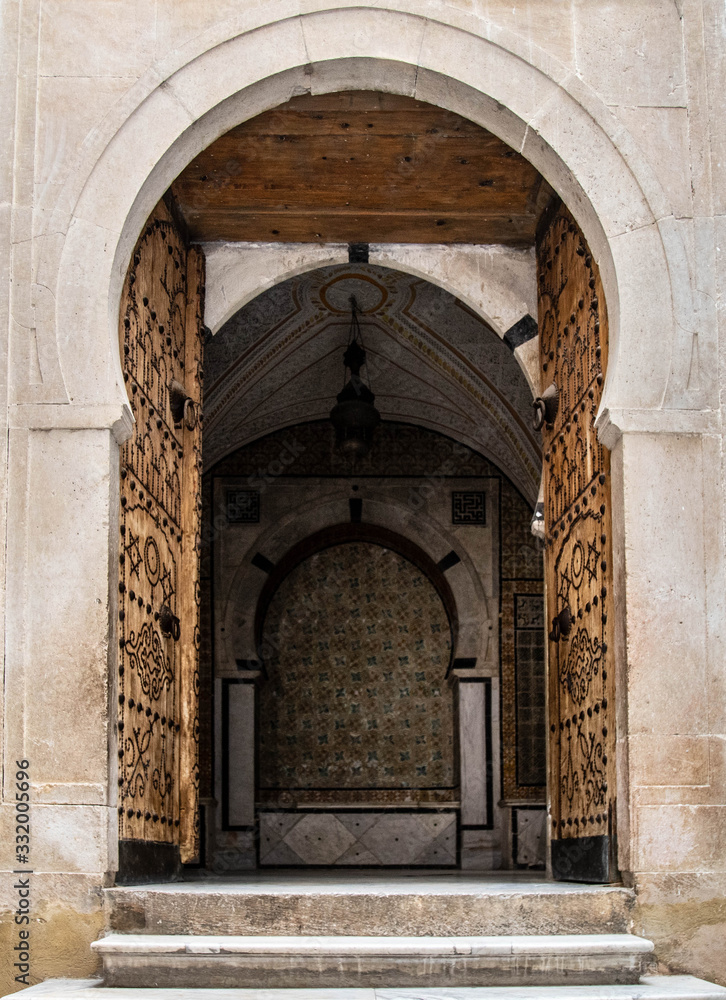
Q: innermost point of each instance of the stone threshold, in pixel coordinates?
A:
(395, 903)
(649, 988)
(225, 961)
(500, 946)
(386, 882)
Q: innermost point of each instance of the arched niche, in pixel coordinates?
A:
(239, 635)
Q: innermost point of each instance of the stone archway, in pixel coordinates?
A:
(172, 122)
(594, 166)
(67, 273)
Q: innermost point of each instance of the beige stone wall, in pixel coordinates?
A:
(620, 105)
(672, 695)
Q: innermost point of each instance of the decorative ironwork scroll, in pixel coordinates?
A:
(578, 563)
(160, 333)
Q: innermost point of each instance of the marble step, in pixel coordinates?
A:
(381, 904)
(228, 961)
(649, 988)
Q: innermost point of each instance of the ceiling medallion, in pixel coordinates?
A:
(354, 417)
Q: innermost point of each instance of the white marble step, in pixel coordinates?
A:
(169, 960)
(649, 988)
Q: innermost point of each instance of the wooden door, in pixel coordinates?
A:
(578, 556)
(158, 685)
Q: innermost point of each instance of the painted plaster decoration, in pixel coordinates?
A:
(468, 507)
(432, 360)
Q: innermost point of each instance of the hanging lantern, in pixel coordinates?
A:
(355, 418)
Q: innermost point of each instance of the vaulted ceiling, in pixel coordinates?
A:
(360, 167)
(431, 361)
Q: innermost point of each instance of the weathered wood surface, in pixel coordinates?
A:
(160, 332)
(191, 555)
(361, 167)
(578, 562)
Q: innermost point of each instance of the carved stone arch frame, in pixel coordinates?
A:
(238, 637)
(178, 109)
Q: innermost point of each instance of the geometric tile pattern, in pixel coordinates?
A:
(531, 728)
(521, 552)
(468, 508)
(528, 611)
(243, 506)
(524, 727)
(358, 838)
(355, 696)
(400, 450)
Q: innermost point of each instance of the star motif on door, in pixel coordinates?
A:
(133, 554)
(591, 560)
(565, 584)
(167, 588)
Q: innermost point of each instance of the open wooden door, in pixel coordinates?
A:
(158, 685)
(578, 555)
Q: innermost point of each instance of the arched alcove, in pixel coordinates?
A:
(355, 706)
(454, 516)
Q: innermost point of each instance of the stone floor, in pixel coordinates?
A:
(376, 902)
(395, 881)
(370, 902)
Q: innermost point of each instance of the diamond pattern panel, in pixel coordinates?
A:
(358, 839)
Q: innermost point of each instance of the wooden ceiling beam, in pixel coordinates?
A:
(360, 167)
(391, 227)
